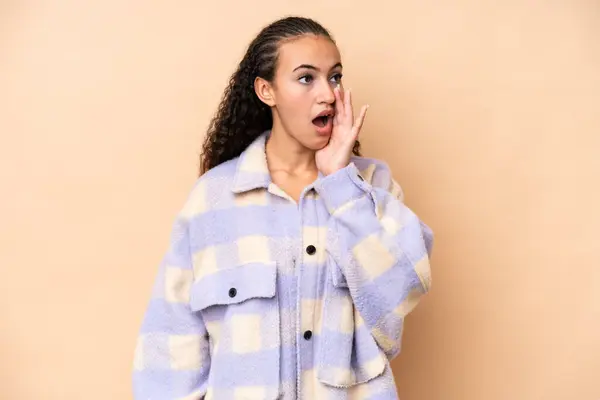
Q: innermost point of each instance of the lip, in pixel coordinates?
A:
(325, 131)
(328, 112)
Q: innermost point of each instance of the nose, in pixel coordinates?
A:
(326, 94)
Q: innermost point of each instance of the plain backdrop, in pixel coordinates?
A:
(488, 113)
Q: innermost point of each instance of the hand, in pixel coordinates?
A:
(336, 155)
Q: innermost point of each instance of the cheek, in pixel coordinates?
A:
(295, 104)
(293, 99)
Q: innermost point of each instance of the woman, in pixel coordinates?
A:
(294, 261)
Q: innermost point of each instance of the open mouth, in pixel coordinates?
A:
(321, 121)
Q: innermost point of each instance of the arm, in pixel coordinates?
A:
(172, 353)
(379, 248)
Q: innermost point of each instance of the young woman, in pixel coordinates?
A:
(294, 261)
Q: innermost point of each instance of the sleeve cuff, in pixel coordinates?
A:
(341, 187)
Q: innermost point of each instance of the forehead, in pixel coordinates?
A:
(310, 49)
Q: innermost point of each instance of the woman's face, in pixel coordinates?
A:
(307, 71)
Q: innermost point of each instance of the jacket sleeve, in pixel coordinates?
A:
(378, 249)
(172, 356)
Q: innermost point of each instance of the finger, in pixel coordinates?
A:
(339, 103)
(348, 106)
(342, 91)
(358, 123)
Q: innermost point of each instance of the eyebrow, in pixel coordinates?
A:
(308, 66)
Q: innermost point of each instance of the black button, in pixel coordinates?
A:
(307, 335)
(311, 250)
(232, 292)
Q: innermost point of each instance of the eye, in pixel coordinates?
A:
(337, 78)
(306, 79)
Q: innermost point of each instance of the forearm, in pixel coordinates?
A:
(379, 249)
(172, 357)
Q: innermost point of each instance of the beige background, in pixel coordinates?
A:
(488, 113)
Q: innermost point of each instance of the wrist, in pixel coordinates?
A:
(342, 186)
(330, 170)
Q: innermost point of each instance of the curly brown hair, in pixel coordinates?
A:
(241, 116)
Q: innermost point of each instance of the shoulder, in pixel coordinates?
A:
(210, 189)
(378, 173)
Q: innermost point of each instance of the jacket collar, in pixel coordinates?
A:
(252, 171)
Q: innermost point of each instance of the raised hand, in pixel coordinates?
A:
(336, 155)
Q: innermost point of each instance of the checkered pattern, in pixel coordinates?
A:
(238, 288)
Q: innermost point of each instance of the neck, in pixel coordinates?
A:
(285, 154)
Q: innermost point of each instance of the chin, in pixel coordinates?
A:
(318, 143)
(322, 145)
(311, 140)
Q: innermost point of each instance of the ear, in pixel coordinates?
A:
(264, 91)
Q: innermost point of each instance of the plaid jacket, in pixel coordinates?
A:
(260, 298)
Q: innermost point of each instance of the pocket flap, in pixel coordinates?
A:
(337, 276)
(234, 285)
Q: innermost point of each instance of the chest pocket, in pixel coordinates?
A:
(242, 301)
